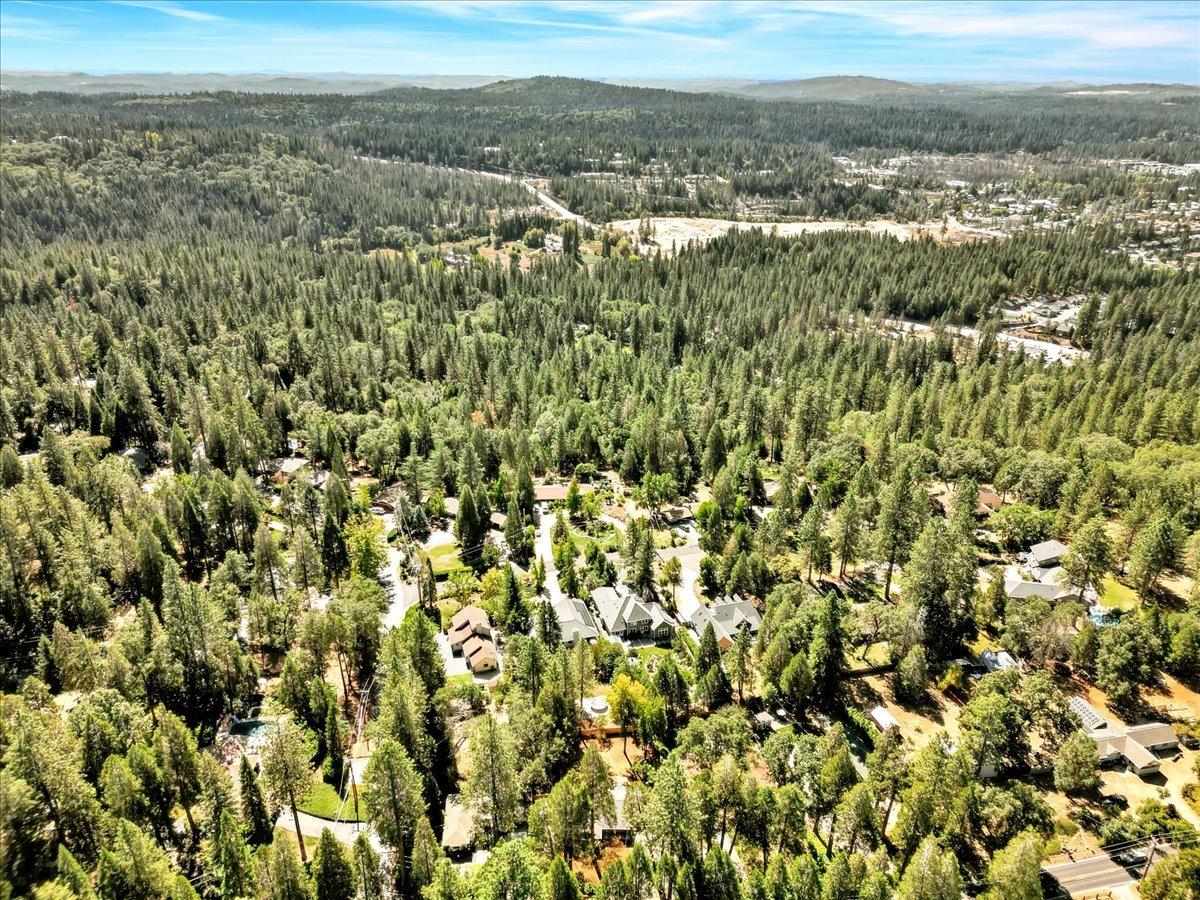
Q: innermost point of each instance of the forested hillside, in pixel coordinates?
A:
(279, 419)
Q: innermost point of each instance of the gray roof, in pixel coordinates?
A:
(619, 610)
(575, 620)
(1087, 713)
(1047, 552)
(995, 661)
(1047, 590)
(727, 617)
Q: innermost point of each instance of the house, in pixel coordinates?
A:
(1091, 719)
(1020, 589)
(575, 621)
(727, 618)
(450, 505)
(556, 493)
(286, 468)
(480, 654)
(620, 829)
(467, 622)
(498, 520)
(677, 515)
(458, 828)
(989, 502)
(625, 615)
(1138, 746)
(1045, 555)
(1154, 736)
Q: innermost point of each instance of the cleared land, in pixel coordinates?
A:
(680, 230)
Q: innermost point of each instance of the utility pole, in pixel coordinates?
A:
(1150, 854)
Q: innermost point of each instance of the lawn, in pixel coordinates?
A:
(444, 558)
(1118, 595)
(323, 803)
(608, 540)
(877, 654)
(649, 654)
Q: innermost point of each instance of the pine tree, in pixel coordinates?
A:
(1090, 557)
(230, 860)
(368, 877)
(331, 873)
(493, 783)
(560, 884)
(287, 774)
(335, 752)
(1154, 550)
(256, 821)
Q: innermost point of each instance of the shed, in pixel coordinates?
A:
(883, 719)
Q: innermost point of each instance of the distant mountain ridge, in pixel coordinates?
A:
(843, 88)
(267, 83)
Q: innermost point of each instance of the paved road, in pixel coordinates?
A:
(542, 197)
(1048, 351)
(549, 202)
(346, 832)
(1086, 876)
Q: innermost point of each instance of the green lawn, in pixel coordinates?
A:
(607, 541)
(1118, 595)
(444, 559)
(323, 803)
(646, 654)
(877, 654)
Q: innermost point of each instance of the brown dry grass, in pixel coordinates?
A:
(614, 755)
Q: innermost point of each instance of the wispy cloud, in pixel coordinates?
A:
(1134, 40)
(46, 5)
(1131, 26)
(31, 29)
(172, 9)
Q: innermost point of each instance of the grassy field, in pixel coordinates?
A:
(444, 559)
(608, 541)
(323, 803)
(1118, 595)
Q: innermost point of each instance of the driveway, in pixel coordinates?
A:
(686, 598)
(544, 548)
(402, 594)
(346, 832)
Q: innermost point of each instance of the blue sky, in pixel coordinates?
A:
(918, 40)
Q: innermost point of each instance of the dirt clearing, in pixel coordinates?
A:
(680, 230)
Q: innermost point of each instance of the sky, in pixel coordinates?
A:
(916, 40)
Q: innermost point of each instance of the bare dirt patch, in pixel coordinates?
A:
(678, 230)
(917, 725)
(614, 755)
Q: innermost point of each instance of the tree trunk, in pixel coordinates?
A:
(299, 833)
(187, 811)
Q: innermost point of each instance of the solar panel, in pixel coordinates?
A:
(1091, 719)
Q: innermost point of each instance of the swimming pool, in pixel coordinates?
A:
(253, 733)
(1104, 616)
